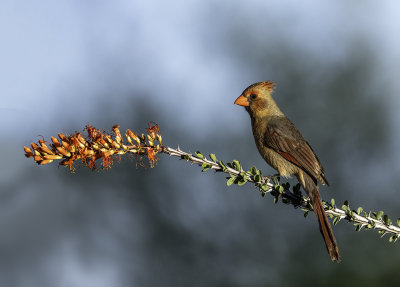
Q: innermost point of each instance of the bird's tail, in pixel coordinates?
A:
(324, 225)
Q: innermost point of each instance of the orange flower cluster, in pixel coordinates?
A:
(97, 145)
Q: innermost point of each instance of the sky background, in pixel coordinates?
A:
(65, 64)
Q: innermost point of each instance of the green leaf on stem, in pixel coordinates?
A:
(199, 155)
(213, 157)
(231, 180)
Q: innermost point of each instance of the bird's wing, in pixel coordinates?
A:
(284, 138)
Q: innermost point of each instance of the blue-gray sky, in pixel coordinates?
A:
(72, 46)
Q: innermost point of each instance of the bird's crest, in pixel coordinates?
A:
(270, 86)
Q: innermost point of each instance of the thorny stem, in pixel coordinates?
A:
(99, 145)
(291, 198)
(365, 221)
(214, 165)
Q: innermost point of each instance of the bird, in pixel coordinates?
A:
(284, 148)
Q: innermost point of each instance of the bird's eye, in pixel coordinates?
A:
(253, 96)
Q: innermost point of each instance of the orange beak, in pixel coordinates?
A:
(242, 101)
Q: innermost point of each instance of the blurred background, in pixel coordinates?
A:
(181, 64)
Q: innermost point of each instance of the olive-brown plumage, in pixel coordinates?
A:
(284, 148)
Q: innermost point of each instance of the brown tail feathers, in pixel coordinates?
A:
(324, 225)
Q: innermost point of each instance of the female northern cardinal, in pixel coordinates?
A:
(283, 147)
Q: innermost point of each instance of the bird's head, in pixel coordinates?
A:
(257, 99)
